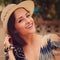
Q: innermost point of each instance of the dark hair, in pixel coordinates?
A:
(11, 31)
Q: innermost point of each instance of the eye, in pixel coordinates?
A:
(28, 15)
(20, 20)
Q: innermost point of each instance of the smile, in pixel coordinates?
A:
(30, 26)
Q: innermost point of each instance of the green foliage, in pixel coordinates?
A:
(1, 1)
(7, 2)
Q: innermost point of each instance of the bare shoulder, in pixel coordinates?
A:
(43, 40)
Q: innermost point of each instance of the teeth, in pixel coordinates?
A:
(29, 26)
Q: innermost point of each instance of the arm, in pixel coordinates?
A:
(11, 55)
(7, 44)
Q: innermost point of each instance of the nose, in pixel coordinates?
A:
(28, 20)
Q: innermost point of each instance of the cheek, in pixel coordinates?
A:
(32, 20)
(20, 28)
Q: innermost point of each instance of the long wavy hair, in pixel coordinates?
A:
(11, 31)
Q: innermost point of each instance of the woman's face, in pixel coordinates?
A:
(24, 23)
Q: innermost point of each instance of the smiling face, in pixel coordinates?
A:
(24, 23)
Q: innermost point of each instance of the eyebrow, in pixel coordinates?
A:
(21, 16)
(27, 13)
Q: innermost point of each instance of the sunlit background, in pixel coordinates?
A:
(46, 16)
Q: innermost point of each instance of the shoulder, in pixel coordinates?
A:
(52, 37)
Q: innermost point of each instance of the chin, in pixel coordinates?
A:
(32, 31)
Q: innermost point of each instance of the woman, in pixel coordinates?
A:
(22, 42)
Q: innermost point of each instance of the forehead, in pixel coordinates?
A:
(20, 11)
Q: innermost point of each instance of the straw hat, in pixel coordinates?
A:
(9, 9)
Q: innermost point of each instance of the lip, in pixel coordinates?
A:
(29, 26)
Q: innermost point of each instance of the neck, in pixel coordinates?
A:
(29, 38)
